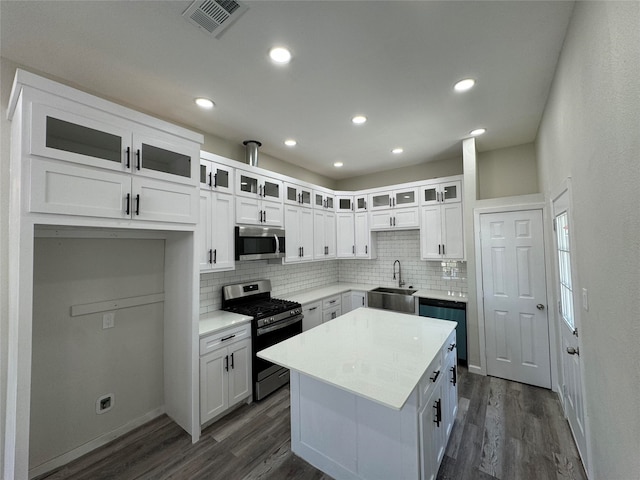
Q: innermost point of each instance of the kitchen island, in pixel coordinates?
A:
(373, 394)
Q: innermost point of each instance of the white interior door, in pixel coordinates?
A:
(514, 284)
(570, 352)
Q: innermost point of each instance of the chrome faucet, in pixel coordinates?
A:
(400, 281)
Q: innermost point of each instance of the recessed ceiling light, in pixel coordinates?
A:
(464, 85)
(359, 119)
(290, 142)
(280, 55)
(397, 150)
(477, 131)
(338, 164)
(204, 102)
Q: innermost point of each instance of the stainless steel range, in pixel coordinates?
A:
(274, 320)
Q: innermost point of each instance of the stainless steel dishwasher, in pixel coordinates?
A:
(448, 310)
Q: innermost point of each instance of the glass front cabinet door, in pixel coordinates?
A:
(100, 142)
(216, 177)
(449, 192)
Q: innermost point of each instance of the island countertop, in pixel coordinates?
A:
(376, 354)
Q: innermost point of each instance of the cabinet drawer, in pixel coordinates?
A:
(331, 302)
(430, 378)
(449, 347)
(331, 313)
(224, 338)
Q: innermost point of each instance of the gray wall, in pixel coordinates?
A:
(507, 172)
(591, 132)
(422, 171)
(75, 361)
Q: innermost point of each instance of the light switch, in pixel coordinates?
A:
(585, 299)
(108, 320)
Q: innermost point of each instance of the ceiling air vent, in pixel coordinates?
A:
(214, 16)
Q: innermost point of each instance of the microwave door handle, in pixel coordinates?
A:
(277, 243)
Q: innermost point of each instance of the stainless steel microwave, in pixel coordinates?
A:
(259, 243)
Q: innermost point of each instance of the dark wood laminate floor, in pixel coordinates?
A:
(504, 430)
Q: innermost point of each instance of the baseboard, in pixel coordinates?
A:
(95, 443)
(475, 369)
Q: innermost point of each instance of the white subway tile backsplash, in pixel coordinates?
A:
(391, 246)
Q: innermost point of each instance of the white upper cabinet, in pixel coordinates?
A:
(297, 195)
(441, 235)
(253, 185)
(360, 202)
(402, 198)
(323, 200)
(216, 231)
(298, 223)
(216, 177)
(344, 203)
(444, 192)
(324, 234)
(345, 235)
(104, 141)
(89, 157)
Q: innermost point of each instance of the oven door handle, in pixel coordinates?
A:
(277, 243)
(279, 325)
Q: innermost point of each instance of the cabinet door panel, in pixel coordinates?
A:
(161, 158)
(452, 231)
(330, 234)
(345, 235)
(380, 200)
(75, 190)
(248, 211)
(66, 136)
(362, 236)
(239, 371)
(222, 234)
(214, 392)
(306, 233)
(205, 242)
(430, 233)
(381, 220)
(272, 214)
(160, 201)
(406, 218)
(312, 315)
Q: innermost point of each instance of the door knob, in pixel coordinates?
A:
(540, 306)
(573, 351)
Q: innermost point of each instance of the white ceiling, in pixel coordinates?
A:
(394, 61)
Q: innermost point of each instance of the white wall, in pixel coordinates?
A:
(507, 172)
(75, 361)
(404, 245)
(591, 131)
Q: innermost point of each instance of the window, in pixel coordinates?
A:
(564, 268)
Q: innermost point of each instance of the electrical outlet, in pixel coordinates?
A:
(108, 320)
(105, 403)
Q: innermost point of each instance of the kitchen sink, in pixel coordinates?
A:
(395, 299)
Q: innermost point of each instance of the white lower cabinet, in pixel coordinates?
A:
(433, 438)
(312, 313)
(225, 371)
(331, 308)
(352, 300)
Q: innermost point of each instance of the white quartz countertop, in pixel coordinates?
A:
(376, 354)
(314, 294)
(219, 320)
(442, 295)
